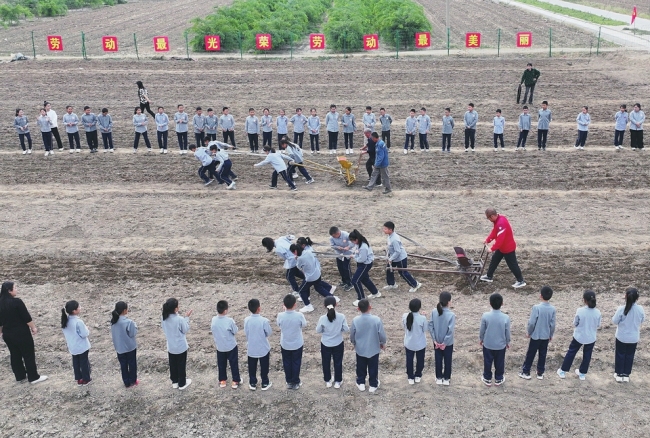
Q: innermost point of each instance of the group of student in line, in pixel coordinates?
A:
(366, 334)
(207, 126)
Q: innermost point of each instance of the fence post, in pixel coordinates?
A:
(291, 45)
(241, 46)
(187, 46)
(397, 44)
(33, 46)
(598, 46)
(550, 41)
(345, 38)
(135, 42)
(498, 42)
(447, 41)
(83, 45)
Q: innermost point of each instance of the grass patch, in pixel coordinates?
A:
(637, 31)
(597, 19)
(606, 7)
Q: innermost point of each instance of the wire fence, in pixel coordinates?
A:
(72, 44)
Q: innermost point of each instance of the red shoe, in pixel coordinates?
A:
(136, 383)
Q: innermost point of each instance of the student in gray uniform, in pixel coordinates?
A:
(340, 243)
(332, 325)
(424, 127)
(211, 125)
(227, 123)
(583, 120)
(332, 125)
(279, 168)
(637, 117)
(224, 330)
(299, 121)
(470, 119)
(291, 324)
(252, 127)
(415, 340)
(89, 120)
(386, 120)
(208, 164)
(313, 123)
(368, 336)
(524, 128)
(295, 153)
(397, 258)
(441, 327)
(411, 127)
(198, 122)
(544, 118)
(76, 337)
(499, 123)
(22, 128)
(175, 328)
(282, 123)
(140, 122)
(364, 257)
(45, 126)
(369, 119)
(540, 329)
(257, 330)
(308, 263)
(349, 126)
(586, 323)
(181, 120)
(628, 319)
(621, 118)
(162, 129)
(223, 172)
(447, 130)
(267, 127)
(123, 333)
(105, 124)
(494, 337)
(71, 122)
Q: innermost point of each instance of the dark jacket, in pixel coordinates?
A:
(530, 76)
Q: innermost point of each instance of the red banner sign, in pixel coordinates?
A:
(55, 43)
(472, 40)
(524, 39)
(371, 42)
(263, 41)
(109, 43)
(317, 41)
(212, 43)
(161, 44)
(422, 40)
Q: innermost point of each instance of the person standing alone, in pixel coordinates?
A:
(529, 79)
(503, 248)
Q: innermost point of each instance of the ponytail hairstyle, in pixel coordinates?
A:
(631, 295)
(5, 295)
(414, 306)
(17, 111)
(297, 249)
(330, 304)
(356, 235)
(139, 84)
(120, 307)
(443, 301)
(169, 307)
(70, 307)
(268, 149)
(304, 241)
(590, 298)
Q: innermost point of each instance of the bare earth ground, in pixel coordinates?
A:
(143, 228)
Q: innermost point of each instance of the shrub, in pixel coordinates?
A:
(51, 8)
(12, 14)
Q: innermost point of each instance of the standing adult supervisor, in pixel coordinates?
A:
(17, 328)
(144, 99)
(371, 149)
(380, 167)
(503, 248)
(54, 124)
(529, 79)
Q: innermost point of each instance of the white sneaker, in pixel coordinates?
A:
(299, 298)
(418, 379)
(52, 152)
(626, 379)
(294, 176)
(175, 385)
(377, 295)
(580, 375)
(164, 151)
(337, 298)
(486, 278)
(561, 374)
(135, 151)
(347, 152)
(372, 389)
(618, 378)
(307, 309)
(231, 186)
(105, 150)
(312, 152)
(355, 303)
(47, 153)
(337, 385)
(411, 382)
(72, 151)
(361, 386)
(351, 151)
(188, 382)
(209, 182)
(445, 382)
(438, 381)
(25, 152)
(417, 286)
(406, 151)
(519, 284)
(29, 151)
(332, 290)
(77, 150)
(329, 384)
(40, 379)
(148, 149)
(180, 152)
(390, 287)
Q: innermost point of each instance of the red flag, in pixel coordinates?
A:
(633, 15)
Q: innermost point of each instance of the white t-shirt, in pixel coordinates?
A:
(53, 118)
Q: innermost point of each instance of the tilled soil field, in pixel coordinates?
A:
(142, 228)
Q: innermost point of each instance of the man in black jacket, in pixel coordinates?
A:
(529, 79)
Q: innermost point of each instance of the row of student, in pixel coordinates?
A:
(207, 127)
(366, 334)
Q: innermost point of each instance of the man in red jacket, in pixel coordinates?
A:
(503, 248)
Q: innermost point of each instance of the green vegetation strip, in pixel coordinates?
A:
(14, 10)
(573, 13)
(285, 20)
(349, 20)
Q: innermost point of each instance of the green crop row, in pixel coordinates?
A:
(349, 20)
(285, 20)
